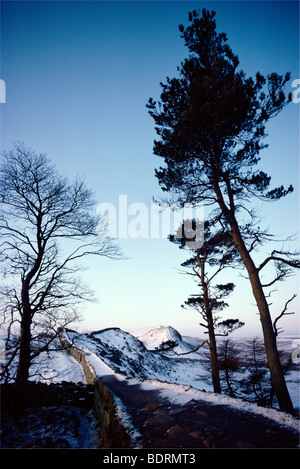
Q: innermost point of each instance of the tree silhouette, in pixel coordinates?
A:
(211, 123)
(42, 292)
(215, 254)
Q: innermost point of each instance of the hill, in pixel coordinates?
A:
(135, 357)
(116, 351)
(156, 337)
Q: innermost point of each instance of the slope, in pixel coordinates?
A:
(128, 356)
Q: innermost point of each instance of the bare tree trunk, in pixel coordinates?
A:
(226, 368)
(25, 338)
(24, 357)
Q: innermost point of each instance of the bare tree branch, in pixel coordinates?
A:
(283, 313)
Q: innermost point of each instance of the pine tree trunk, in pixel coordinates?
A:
(212, 338)
(276, 372)
(277, 376)
(213, 356)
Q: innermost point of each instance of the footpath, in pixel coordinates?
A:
(159, 423)
(60, 416)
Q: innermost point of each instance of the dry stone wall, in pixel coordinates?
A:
(113, 433)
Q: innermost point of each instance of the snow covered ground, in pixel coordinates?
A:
(177, 376)
(133, 357)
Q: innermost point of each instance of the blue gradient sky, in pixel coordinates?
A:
(78, 76)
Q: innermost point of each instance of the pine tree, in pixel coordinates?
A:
(211, 121)
(206, 262)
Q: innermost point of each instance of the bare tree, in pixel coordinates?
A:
(47, 225)
(229, 361)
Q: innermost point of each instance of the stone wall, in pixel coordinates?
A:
(79, 355)
(113, 433)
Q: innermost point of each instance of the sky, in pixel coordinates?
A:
(78, 75)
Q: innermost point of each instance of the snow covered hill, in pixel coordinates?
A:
(156, 337)
(153, 338)
(138, 356)
(134, 357)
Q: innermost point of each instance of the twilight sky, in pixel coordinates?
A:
(78, 75)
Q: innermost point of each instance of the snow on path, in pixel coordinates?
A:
(181, 394)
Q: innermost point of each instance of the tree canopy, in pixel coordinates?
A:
(211, 121)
